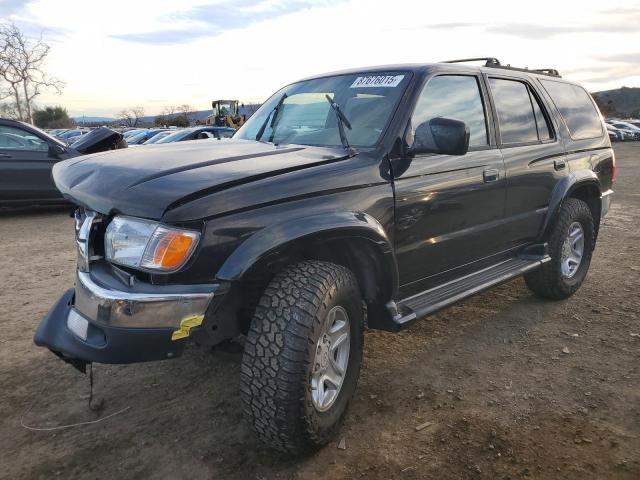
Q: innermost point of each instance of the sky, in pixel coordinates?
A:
(119, 54)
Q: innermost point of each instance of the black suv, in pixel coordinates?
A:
(361, 198)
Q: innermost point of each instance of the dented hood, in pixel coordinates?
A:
(148, 181)
(99, 140)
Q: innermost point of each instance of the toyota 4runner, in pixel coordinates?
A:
(370, 197)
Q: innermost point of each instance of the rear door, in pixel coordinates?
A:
(534, 157)
(449, 209)
(25, 166)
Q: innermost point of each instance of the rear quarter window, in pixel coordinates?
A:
(576, 107)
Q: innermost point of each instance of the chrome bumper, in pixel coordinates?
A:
(157, 308)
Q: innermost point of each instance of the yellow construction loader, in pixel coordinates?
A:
(226, 114)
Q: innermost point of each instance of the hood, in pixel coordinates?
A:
(147, 181)
(99, 140)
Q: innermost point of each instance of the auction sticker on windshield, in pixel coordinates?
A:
(376, 81)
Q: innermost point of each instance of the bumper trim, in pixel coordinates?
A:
(134, 309)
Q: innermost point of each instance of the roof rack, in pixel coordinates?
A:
(495, 63)
(489, 61)
(547, 71)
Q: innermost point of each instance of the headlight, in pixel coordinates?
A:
(146, 245)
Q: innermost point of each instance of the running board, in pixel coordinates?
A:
(429, 301)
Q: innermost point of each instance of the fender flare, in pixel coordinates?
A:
(332, 224)
(561, 191)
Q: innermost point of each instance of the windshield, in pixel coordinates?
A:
(306, 118)
(176, 136)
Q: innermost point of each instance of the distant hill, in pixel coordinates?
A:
(623, 101)
(85, 119)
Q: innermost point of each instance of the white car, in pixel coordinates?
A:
(632, 130)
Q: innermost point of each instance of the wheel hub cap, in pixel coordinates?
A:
(331, 359)
(572, 250)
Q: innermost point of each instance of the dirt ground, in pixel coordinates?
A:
(515, 387)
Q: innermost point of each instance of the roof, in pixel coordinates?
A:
(454, 66)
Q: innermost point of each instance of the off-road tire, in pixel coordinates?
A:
(548, 281)
(279, 353)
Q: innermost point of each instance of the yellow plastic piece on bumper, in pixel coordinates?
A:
(186, 324)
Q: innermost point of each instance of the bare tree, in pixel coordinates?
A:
(21, 67)
(131, 116)
(188, 112)
(169, 110)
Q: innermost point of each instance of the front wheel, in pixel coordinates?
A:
(302, 356)
(570, 245)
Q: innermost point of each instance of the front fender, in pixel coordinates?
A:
(265, 241)
(561, 191)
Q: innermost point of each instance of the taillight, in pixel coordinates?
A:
(613, 166)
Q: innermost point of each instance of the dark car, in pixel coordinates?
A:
(197, 133)
(157, 137)
(27, 155)
(141, 137)
(366, 197)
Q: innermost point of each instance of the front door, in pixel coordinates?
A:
(449, 209)
(25, 167)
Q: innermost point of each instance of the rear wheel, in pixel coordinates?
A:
(303, 355)
(570, 245)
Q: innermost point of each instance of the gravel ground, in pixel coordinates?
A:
(491, 375)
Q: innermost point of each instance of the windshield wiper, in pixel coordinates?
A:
(342, 122)
(273, 115)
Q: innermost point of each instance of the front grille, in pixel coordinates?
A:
(89, 226)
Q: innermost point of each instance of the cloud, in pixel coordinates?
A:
(622, 58)
(11, 7)
(600, 75)
(446, 26)
(167, 37)
(541, 32)
(16, 11)
(623, 20)
(214, 19)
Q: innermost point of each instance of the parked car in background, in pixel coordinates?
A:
(628, 128)
(141, 137)
(71, 136)
(159, 136)
(615, 135)
(27, 155)
(196, 133)
(131, 132)
(57, 131)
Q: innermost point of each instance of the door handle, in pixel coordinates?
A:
(5, 155)
(491, 175)
(560, 164)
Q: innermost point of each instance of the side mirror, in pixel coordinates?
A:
(56, 150)
(441, 135)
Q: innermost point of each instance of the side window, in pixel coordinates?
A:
(12, 138)
(457, 97)
(515, 112)
(544, 132)
(576, 107)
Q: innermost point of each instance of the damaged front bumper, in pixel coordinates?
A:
(105, 321)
